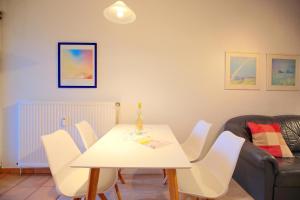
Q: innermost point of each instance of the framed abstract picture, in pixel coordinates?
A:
(282, 72)
(77, 65)
(242, 71)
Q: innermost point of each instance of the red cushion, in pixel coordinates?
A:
(268, 137)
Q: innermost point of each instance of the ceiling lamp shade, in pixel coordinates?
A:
(119, 13)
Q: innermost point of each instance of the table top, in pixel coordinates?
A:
(121, 147)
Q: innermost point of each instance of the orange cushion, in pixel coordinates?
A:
(268, 137)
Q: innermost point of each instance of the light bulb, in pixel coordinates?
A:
(119, 13)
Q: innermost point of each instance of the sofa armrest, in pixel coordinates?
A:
(257, 157)
(255, 169)
(255, 172)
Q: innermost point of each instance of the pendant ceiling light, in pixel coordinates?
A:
(119, 13)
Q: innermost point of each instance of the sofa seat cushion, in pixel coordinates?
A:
(288, 172)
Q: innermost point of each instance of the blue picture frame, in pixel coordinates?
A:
(77, 48)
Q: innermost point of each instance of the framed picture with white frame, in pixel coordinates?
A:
(242, 71)
(283, 72)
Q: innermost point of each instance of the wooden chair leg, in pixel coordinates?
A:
(121, 177)
(182, 196)
(195, 198)
(165, 177)
(118, 192)
(102, 196)
(165, 180)
(190, 197)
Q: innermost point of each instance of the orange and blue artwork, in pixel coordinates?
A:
(77, 65)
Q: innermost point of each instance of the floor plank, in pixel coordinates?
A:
(49, 183)
(18, 193)
(47, 193)
(137, 187)
(8, 181)
(34, 181)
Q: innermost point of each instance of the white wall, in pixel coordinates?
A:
(171, 58)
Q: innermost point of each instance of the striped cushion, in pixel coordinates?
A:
(268, 137)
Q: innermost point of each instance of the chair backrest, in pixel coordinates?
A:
(60, 150)
(222, 157)
(87, 133)
(194, 144)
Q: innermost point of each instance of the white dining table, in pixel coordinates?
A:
(122, 147)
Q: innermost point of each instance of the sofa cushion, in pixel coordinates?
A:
(289, 172)
(290, 129)
(268, 137)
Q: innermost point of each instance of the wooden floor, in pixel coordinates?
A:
(137, 187)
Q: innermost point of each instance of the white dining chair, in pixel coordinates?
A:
(87, 133)
(72, 182)
(89, 137)
(210, 177)
(194, 144)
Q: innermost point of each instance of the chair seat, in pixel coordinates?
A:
(74, 181)
(289, 172)
(199, 181)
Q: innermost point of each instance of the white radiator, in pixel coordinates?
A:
(40, 118)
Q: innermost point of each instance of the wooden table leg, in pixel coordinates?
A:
(93, 183)
(172, 182)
